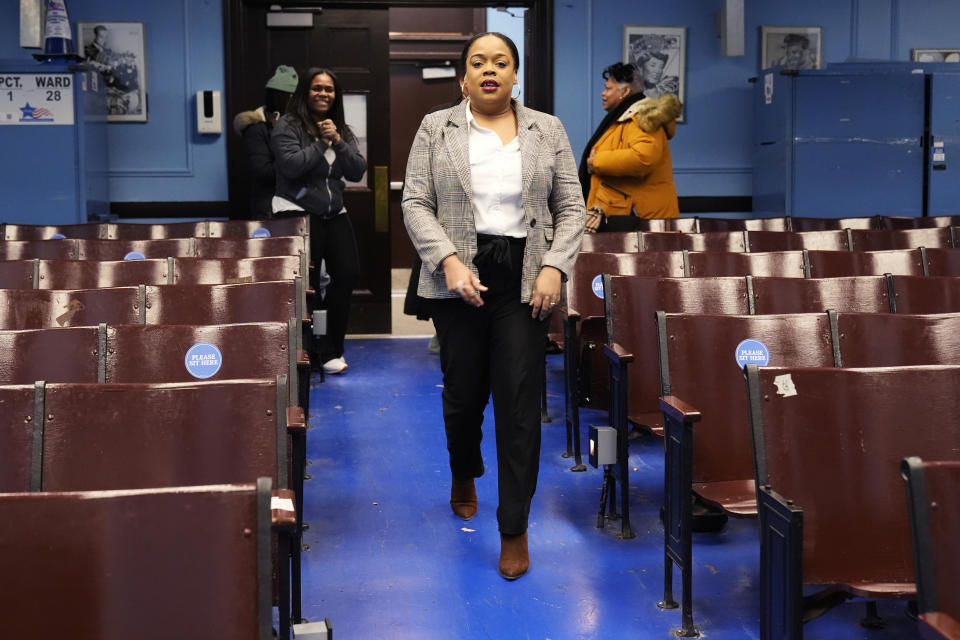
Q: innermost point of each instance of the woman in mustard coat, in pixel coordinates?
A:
(627, 167)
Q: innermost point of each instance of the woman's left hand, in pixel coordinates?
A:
(546, 292)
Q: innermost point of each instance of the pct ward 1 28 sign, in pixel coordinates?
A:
(33, 99)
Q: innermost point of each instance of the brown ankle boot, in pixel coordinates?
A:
(463, 498)
(514, 557)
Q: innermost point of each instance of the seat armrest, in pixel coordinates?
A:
(303, 359)
(283, 514)
(617, 354)
(296, 423)
(573, 314)
(675, 408)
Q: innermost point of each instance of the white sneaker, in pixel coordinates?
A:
(335, 366)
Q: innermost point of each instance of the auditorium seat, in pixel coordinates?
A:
(762, 241)
(932, 238)
(932, 491)
(47, 308)
(611, 242)
(805, 295)
(155, 564)
(42, 249)
(828, 444)
(829, 264)
(787, 264)
(710, 241)
(926, 294)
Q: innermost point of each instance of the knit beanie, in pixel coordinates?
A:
(284, 79)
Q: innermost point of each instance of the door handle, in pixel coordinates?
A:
(381, 199)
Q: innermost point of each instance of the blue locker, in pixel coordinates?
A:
(53, 171)
(944, 145)
(839, 144)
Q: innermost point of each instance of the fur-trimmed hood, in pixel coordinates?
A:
(246, 118)
(653, 113)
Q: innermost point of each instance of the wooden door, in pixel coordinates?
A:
(354, 44)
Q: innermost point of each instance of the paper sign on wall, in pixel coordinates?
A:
(34, 99)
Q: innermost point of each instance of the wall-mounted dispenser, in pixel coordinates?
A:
(209, 113)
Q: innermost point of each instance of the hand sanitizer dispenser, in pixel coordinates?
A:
(209, 116)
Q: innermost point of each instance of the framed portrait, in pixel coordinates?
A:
(660, 55)
(117, 50)
(792, 48)
(935, 55)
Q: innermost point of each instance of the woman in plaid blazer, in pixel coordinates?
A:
(493, 206)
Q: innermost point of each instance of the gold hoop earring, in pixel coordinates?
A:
(463, 91)
(519, 91)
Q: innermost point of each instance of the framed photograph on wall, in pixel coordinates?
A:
(935, 55)
(117, 49)
(660, 55)
(792, 48)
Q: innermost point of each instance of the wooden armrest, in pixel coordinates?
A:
(573, 314)
(677, 409)
(942, 623)
(617, 354)
(283, 514)
(303, 359)
(296, 423)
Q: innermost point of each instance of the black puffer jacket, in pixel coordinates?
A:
(303, 174)
(254, 128)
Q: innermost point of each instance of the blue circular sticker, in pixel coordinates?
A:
(58, 236)
(261, 232)
(203, 360)
(752, 352)
(597, 286)
(134, 255)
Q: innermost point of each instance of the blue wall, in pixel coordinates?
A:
(163, 159)
(711, 151)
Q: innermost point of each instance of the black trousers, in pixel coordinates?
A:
(332, 240)
(497, 348)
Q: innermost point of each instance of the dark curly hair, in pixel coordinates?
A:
(620, 72)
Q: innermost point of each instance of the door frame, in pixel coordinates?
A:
(538, 87)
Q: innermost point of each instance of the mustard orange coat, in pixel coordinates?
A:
(632, 166)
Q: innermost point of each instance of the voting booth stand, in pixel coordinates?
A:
(54, 127)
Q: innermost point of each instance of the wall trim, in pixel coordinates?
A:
(172, 172)
(712, 170)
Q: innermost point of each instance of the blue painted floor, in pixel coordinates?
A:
(388, 559)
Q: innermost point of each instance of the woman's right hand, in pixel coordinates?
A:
(594, 218)
(463, 281)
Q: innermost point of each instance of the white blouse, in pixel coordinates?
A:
(497, 182)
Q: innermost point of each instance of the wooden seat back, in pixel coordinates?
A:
(96, 274)
(231, 247)
(880, 240)
(47, 232)
(830, 264)
(133, 436)
(42, 249)
(801, 223)
(685, 225)
(742, 224)
(286, 226)
(17, 436)
(886, 340)
(610, 242)
(710, 241)
(942, 262)
(786, 264)
(237, 270)
(808, 295)
(831, 442)
(159, 231)
(924, 222)
(270, 301)
(131, 249)
(930, 294)
(698, 364)
(179, 562)
(630, 306)
(932, 488)
(831, 240)
(43, 308)
(56, 355)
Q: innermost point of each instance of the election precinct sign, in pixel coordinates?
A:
(33, 99)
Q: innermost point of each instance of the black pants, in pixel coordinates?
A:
(495, 348)
(332, 240)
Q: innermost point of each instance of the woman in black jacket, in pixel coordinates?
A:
(314, 151)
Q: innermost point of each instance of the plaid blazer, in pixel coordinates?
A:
(438, 197)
